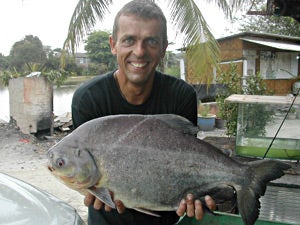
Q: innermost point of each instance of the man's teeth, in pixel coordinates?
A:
(139, 64)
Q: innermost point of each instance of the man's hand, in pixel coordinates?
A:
(193, 208)
(91, 199)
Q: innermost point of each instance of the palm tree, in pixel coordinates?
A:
(202, 48)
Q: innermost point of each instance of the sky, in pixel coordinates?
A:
(49, 21)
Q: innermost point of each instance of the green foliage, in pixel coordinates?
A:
(4, 63)
(229, 111)
(98, 49)
(255, 86)
(271, 24)
(173, 71)
(268, 24)
(57, 77)
(47, 62)
(171, 64)
(203, 110)
(257, 115)
(96, 68)
(6, 75)
(29, 55)
(54, 76)
(28, 50)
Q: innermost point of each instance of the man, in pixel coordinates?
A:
(139, 42)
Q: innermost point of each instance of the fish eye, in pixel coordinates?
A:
(60, 162)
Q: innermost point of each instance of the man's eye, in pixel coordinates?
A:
(152, 41)
(128, 41)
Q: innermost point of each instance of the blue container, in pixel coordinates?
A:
(207, 122)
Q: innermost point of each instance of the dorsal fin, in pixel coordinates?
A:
(177, 123)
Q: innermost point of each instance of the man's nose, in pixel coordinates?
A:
(139, 49)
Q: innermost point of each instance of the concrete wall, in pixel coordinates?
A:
(31, 103)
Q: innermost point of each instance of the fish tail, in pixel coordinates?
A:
(260, 173)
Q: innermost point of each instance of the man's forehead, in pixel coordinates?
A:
(137, 18)
(132, 24)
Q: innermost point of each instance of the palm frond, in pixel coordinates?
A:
(202, 48)
(82, 21)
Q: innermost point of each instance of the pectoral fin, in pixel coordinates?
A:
(146, 211)
(103, 195)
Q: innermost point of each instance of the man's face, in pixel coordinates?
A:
(139, 47)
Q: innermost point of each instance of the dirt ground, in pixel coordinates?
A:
(24, 157)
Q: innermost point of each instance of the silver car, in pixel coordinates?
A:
(22, 203)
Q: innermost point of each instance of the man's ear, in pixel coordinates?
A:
(112, 44)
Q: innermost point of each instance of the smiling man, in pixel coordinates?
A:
(139, 42)
(139, 46)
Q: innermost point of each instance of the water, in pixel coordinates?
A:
(62, 98)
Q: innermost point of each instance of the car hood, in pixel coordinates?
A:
(22, 203)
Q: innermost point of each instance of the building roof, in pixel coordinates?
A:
(281, 42)
(274, 44)
(262, 35)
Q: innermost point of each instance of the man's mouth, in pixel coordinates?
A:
(138, 65)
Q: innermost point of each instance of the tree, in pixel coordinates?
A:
(53, 63)
(172, 66)
(98, 49)
(28, 50)
(268, 23)
(3, 62)
(29, 55)
(185, 15)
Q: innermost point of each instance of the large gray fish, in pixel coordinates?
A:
(152, 161)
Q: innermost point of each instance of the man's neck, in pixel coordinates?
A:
(132, 93)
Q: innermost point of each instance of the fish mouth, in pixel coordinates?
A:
(72, 180)
(51, 168)
(75, 183)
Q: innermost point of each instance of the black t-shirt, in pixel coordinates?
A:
(101, 97)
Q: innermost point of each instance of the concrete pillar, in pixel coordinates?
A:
(31, 103)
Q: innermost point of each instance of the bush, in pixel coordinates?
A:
(233, 81)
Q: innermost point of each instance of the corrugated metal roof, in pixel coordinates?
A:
(274, 44)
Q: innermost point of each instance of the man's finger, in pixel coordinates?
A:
(98, 204)
(89, 199)
(182, 208)
(107, 208)
(120, 206)
(190, 207)
(199, 212)
(210, 203)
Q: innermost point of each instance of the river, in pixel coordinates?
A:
(62, 98)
